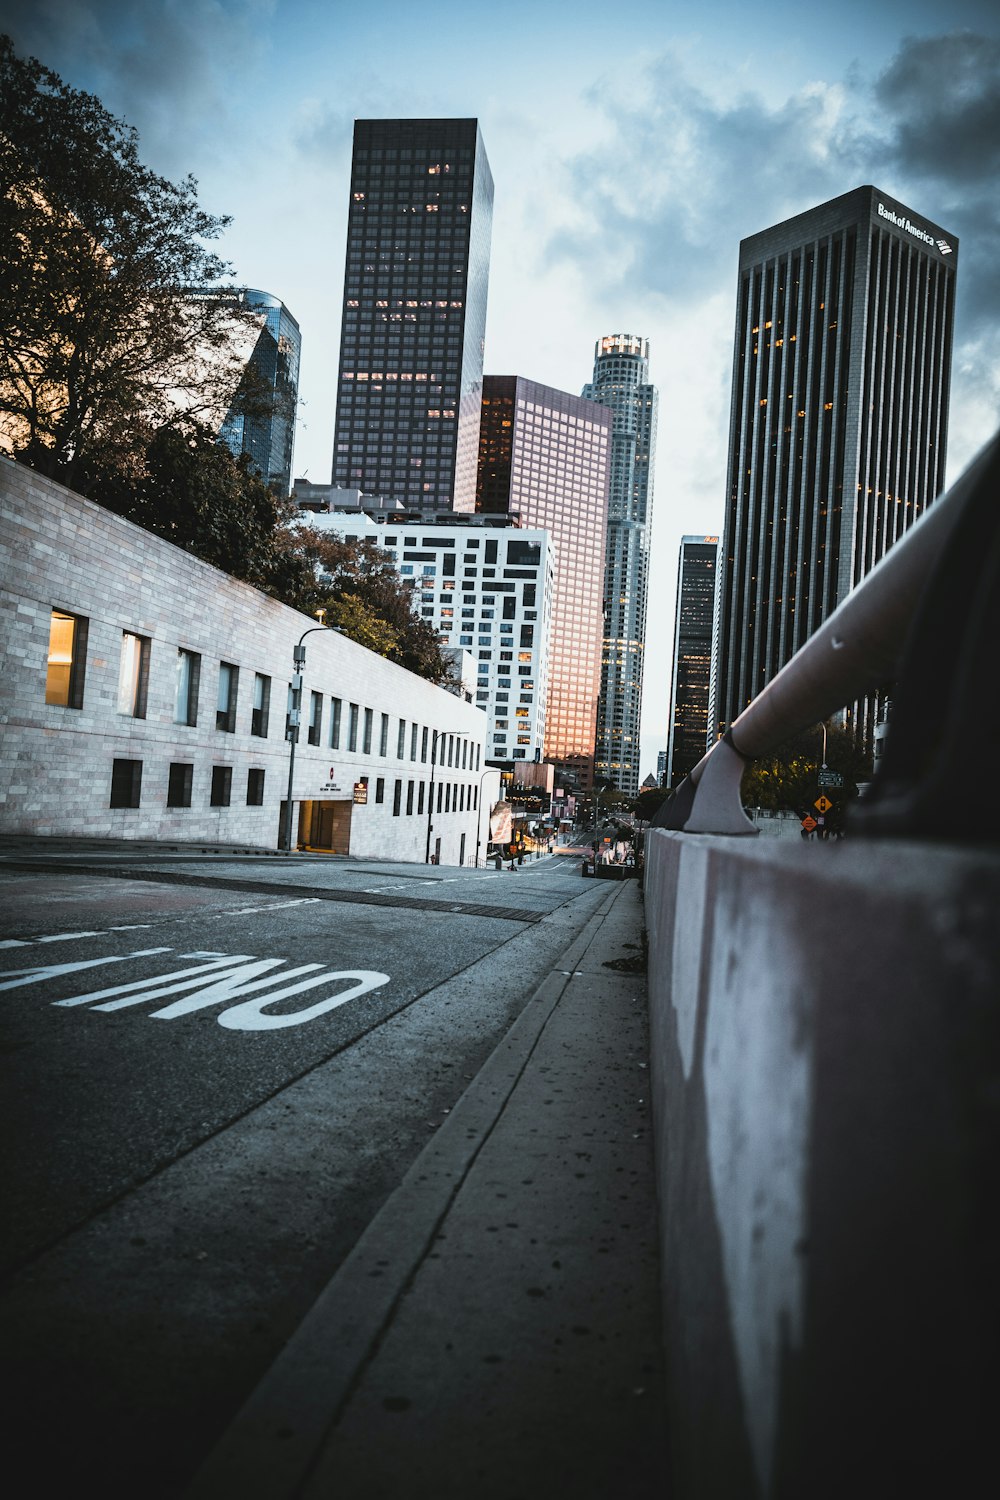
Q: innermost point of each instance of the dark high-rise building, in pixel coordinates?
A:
(692, 666)
(261, 422)
(838, 422)
(411, 345)
(621, 381)
(544, 457)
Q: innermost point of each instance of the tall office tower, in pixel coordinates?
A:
(544, 456)
(838, 423)
(411, 344)
(621, 381)
(693, 634)
(261, 421)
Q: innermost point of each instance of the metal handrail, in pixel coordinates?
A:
(855, 651)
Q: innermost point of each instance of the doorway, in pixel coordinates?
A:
(325, 826)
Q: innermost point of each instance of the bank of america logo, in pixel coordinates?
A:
(943, 246)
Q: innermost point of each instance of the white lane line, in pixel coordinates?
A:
(246, 911)
(16, 943)
(66, 937)
(131, 927)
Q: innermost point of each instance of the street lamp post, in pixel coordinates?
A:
(430, 799)
(294, 716)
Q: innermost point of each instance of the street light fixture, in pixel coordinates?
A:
(294, 716)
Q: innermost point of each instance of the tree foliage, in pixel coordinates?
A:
(788, 778)
(649, 801)
(191, 490)
(111, 317)
(361, 592)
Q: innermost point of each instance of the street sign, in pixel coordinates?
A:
(361, 792)
(829, 778)
(823, 803)
(808, 823)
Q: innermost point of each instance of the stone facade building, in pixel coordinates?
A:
(144, 695)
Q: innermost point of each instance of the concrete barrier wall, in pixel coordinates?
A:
(826, 1085)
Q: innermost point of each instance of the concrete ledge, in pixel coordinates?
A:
(825, 1063)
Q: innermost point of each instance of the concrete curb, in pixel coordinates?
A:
(266, 1452)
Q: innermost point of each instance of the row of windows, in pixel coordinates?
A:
(64, 686)
(126, 785)
(452, 797)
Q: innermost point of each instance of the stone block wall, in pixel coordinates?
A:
(59, 551)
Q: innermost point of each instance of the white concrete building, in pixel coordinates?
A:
(488, 590)
(143, 695)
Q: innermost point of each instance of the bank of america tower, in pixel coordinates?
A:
(414, 318)
(621, 382)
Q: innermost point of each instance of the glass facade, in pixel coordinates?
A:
(414, 321)
(839, 424)
(544, 456)
(621, 382)
(261, 422)
(692, 665)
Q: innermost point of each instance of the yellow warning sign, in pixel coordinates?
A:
(823, 803)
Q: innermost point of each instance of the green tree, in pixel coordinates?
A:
(788, 778)
(356, 584)
(649, 801)
(112, 317)
(191, 490)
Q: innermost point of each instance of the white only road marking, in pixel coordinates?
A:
(139, 990)
(39, 972)
(215, 979)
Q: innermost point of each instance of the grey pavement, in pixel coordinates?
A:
(496, 1329)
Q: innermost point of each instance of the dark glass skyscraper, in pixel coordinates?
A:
(544, 458)
(692, 665)
(261, 421)
(838, 422)
(414, 324)
(621, 381)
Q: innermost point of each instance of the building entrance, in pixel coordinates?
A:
(325, 826)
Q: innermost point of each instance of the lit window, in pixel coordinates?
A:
(66, 660)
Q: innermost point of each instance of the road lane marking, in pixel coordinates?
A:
(66, 937)
(39, 972)
(216, 978)
(246, 911)
(140, 990)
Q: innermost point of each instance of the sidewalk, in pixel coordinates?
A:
(496, 1330)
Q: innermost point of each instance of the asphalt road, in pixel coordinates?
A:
(214, 1071)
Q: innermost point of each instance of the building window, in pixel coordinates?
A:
(179, 779)
(66, 660)
(225, 707)
(397, 798)
(401, 740)
(126, 783)
(186, 692)
(261, 705)
(409, 799)
(366, 738)
(255, 788)
(335, 706)
(413, 741)
(383, 740)
(352, 727)
(133, 675)
(222, 785)
(423, 745)
(315, 718)
(380, 789)
(420, 798)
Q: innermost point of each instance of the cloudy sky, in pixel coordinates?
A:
(633, 144)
